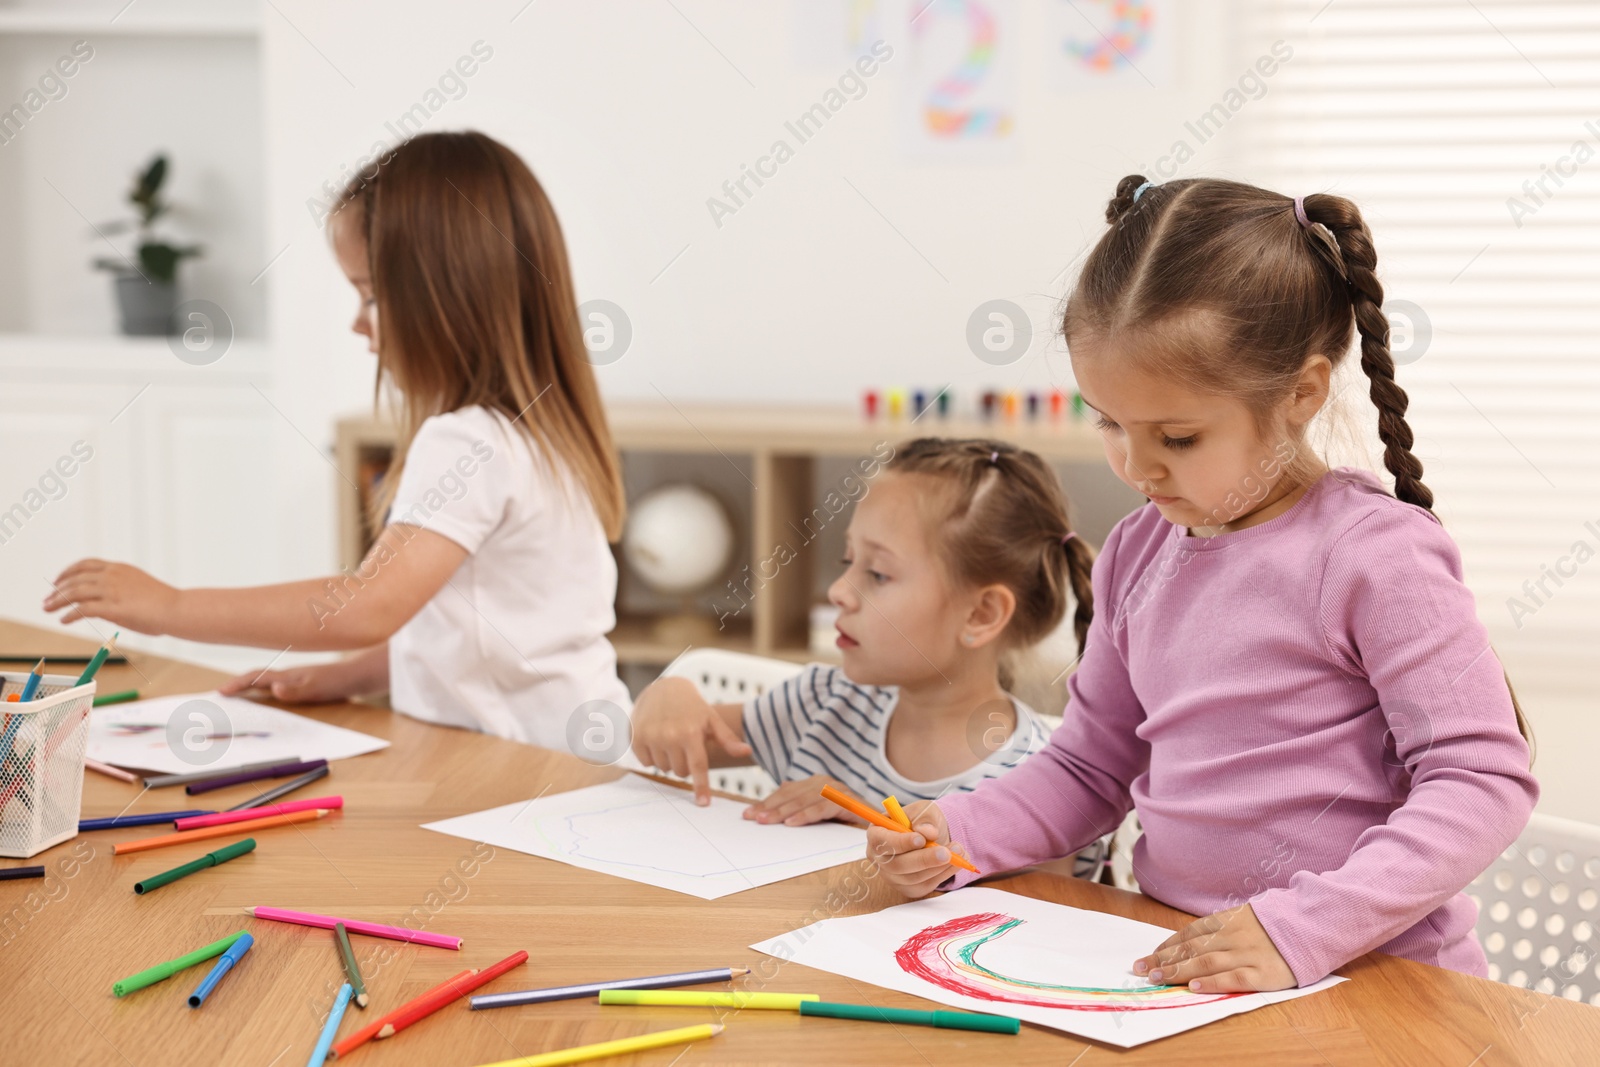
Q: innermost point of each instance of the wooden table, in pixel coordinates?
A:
(60, 954)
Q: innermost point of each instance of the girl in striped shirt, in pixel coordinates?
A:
(959, 556)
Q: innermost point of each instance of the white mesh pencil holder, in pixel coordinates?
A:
(42, 745)
(1539, 910)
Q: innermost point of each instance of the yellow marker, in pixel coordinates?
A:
(896, 812)
(620, 1047)
(685, 998)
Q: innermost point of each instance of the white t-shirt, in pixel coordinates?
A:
(515, 642)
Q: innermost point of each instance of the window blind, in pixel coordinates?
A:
(1468, 131)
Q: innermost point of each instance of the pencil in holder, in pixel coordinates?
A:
(42, 745)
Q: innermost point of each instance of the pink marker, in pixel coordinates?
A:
(356, 926)
(194, 822)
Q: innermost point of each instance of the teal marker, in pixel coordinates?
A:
(945, 1020)
(234, 954)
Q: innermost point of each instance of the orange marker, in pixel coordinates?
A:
(367, 1032)
(399, 1020)
(216, 831)
(855, 807)
(896, 812)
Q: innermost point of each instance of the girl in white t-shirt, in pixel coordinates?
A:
(486, 597)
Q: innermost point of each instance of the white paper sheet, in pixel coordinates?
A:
(1003, 954)
(652, 833)
(208, 731)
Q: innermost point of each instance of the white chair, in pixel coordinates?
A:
(1537, 910)
(725, 677)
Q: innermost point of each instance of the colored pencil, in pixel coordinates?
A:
(13, 724)
(455, 992)
(281, 791)
(98, 659)
(896, 812)
(117, 822)
(108, 770)
(123, 847)
(162, 971)
(160, 781)
(620, 1047)
(589, 989)
(855, 807)
(355, 926)
(347, 959)
(234, 954)
(119, 697)
(222, 818)
(210, 859)
(945, 1020)
(687, 998)
(344, 1045)
(331, 1027)
(31, 686)
(8, 874)
(278, 770)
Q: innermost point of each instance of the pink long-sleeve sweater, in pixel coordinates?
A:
(1306, 715)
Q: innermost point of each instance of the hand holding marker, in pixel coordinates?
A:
(855, 807)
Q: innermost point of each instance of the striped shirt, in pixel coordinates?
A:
(820, 722)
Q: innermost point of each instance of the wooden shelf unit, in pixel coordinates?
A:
(781, 447)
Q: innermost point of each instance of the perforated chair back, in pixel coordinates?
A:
(1537, 910)
(725, 677)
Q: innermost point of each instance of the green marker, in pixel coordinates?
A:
(946, 1020)
(210, 859)
(166, 970)
(117, 698)
(98, 659)
(352, 973)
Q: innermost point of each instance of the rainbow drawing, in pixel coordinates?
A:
(1128, 35)
(943, 111)
(946, 955)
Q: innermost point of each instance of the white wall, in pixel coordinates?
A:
(632, 119)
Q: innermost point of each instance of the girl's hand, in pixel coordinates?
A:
(320, 684)
(1225, 952)
(364, 673)
(116, 592)
(799, 803)
(671, 723)
(914, 870)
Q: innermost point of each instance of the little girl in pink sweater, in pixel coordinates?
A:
(1285, 676)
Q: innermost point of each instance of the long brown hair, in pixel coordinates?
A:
(1228, 293)
(997, 514)
(475, 305)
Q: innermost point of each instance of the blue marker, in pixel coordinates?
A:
(149, 818)
(331, 1027)
(234, 954)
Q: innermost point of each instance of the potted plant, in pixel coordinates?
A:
(147, 289)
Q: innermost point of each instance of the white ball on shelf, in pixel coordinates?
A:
(678, 539)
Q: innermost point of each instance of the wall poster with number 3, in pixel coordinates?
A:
(961, 100)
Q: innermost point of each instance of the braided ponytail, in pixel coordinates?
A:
(1080, 565)
(1358, 263)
